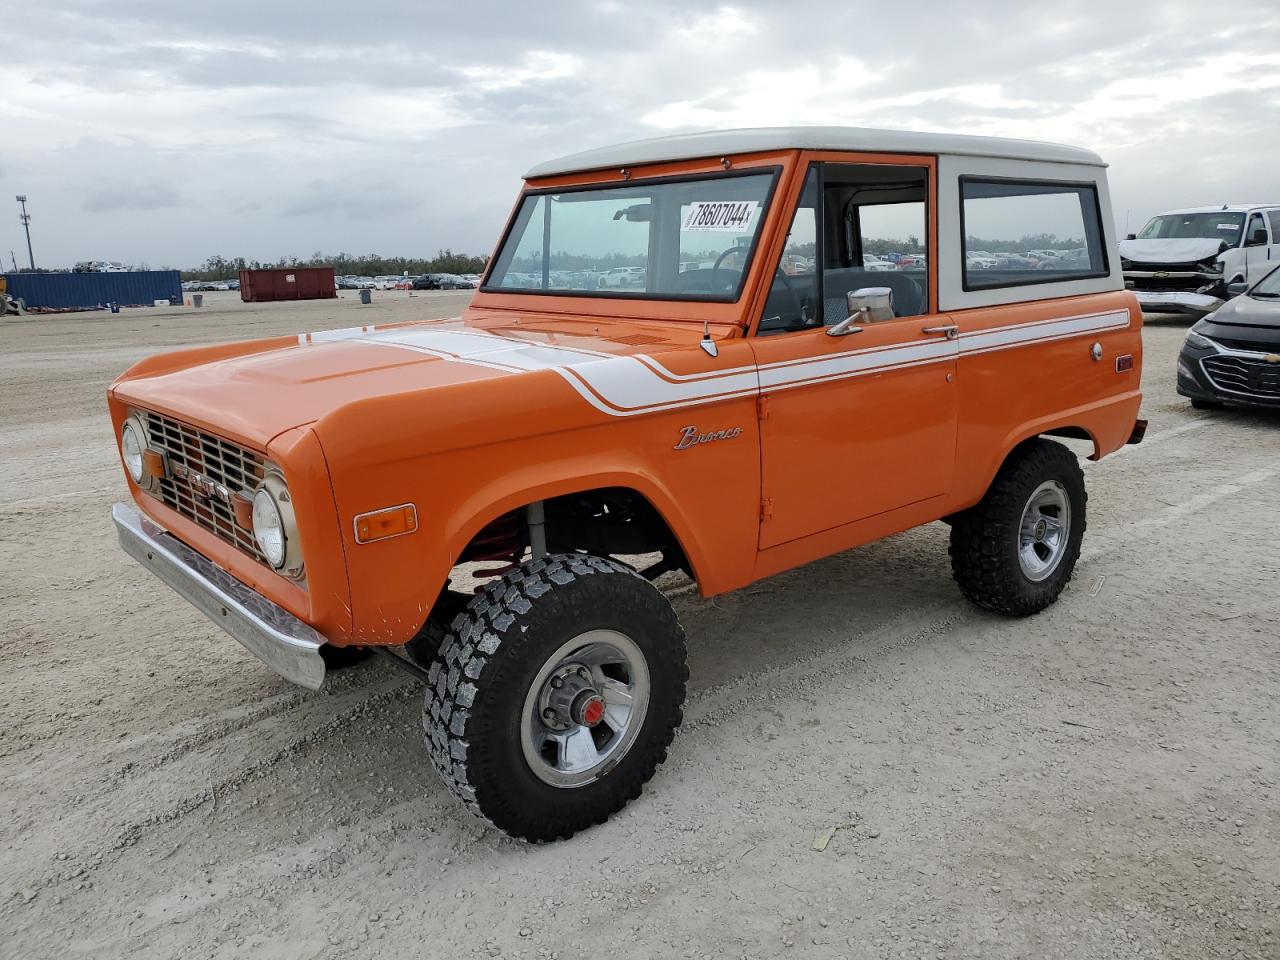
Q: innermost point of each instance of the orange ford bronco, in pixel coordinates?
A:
(726, 354)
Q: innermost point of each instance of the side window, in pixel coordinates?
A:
(1274, 217)
(1255, 226)
(857, 226)
(794, 300)
(1026, 232)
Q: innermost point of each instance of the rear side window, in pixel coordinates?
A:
(1274, 217)
(1021, 232)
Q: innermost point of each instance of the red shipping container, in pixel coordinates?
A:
(287, 283)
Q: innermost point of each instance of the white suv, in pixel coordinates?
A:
(1184, 260)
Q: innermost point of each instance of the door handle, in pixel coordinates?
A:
(950, 331)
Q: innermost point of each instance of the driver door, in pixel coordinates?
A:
(857, 425)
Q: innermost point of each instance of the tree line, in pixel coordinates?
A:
(363, 265)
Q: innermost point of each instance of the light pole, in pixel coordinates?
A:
(26, 225)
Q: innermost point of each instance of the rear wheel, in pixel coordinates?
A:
(553, 697)
(1014, 552)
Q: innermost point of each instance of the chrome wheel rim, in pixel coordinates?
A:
(1044, 530)
(560, 744)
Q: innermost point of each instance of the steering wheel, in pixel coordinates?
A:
(791, 291)
(720, 259)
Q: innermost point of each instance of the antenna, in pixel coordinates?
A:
(707, 344)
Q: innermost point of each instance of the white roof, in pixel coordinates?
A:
(691, 146)
(1219, 208)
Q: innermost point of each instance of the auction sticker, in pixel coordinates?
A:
(726, 216)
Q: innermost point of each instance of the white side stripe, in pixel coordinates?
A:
(628, 385)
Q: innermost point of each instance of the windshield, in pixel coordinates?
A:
(1268, 287)
(1203, 226)
(672, 240)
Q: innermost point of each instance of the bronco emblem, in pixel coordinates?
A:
(690, 436)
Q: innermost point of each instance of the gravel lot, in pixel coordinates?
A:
(1100, 781)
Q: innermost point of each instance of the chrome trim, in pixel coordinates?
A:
(1221, 352)
(951, 331)
(1177, 301)
(272, 634)
(1172, 274)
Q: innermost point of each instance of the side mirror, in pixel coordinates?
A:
(1257, 239)
(1132, 236)
(1237, 288)
(636, 213)
(865, 305)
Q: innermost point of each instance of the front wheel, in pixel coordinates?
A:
(553, 697)
(1014, 552)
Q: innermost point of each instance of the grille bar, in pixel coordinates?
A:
(225, 464)
(1255, 378)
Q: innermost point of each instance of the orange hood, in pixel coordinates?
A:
(255, 390)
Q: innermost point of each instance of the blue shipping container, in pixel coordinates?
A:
(87, 291)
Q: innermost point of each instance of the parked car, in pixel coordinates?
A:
(622, 278)
(1232, 356)
(876, 264)
(1182, 261)
(542, 441)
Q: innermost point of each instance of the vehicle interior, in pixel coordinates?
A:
(844, 210)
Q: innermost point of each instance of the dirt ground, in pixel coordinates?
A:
(1100, 781)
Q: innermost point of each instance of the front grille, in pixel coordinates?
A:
(1242, 375)
(1162, 284)
(227, 465)
(1164, 267)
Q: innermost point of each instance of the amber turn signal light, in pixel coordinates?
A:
(242, 507)
(385, 523)
(153, 465)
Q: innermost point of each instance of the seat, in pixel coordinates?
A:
(908, 298)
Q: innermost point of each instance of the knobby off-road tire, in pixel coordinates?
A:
(499, 660)
(995, 557)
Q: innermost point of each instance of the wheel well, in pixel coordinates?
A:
(1069, 433)
(607, 521)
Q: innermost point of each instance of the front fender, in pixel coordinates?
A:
(708, 494)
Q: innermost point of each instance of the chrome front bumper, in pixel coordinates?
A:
(272, 634)
(1175, 301)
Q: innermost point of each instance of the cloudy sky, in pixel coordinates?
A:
(164, 131)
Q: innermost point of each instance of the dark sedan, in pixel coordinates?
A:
(1233, 354)
(441, 281)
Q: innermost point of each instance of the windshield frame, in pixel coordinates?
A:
(774, 172)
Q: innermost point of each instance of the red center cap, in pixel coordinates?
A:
(592, 712)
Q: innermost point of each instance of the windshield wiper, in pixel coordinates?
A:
(1265, 296)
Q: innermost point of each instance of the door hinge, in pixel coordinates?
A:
(766, 509)
(762, 407)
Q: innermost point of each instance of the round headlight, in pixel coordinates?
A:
(268, 528)
(131, 447)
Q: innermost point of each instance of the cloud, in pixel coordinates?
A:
(243, 127)
(131, 197)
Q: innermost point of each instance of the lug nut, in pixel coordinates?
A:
(556, 683)
(584, 673)
(549, 715)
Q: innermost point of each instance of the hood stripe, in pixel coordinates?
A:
(636, 384)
